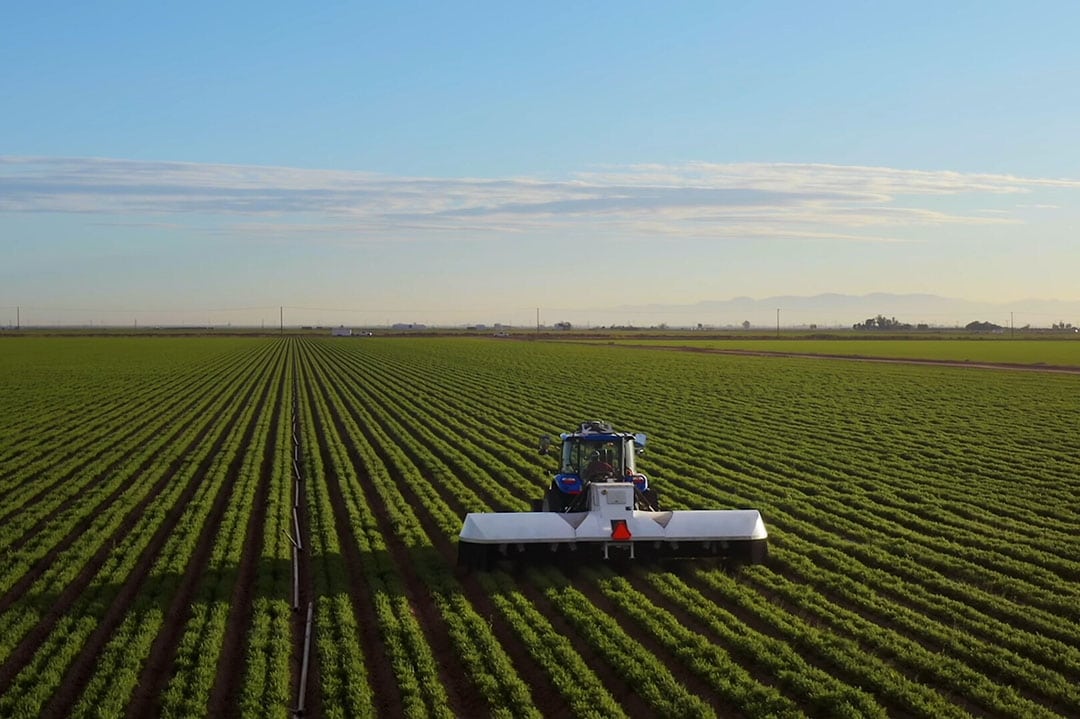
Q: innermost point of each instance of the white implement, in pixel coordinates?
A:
(612, 523)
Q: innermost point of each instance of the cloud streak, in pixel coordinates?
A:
(804, 201)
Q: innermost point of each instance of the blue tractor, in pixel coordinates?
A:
(595, 453)
(598, 504)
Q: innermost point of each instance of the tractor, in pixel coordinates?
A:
(599, 506)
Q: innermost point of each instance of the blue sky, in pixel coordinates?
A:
(470, 162)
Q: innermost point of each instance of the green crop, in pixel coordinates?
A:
(924, 558)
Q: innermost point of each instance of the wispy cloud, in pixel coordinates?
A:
(871, 182)
(810, 201)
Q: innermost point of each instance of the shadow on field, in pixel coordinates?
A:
(158, 589)
(159, 606)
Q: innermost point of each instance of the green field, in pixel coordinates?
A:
(924, 554)
(1055, 352)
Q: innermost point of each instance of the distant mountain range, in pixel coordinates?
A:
(839, 310)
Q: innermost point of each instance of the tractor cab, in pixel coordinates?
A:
(595, 453)
(595, 458)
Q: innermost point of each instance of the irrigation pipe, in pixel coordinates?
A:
(295, 579)
(304, 666)
(296, 529)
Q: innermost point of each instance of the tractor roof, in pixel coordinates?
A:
(598, 431)
(597, 436)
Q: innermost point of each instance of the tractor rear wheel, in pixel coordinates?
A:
(554, 501)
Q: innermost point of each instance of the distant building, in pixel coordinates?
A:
(341, 332)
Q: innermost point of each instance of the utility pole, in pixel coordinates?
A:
(1012, 326)
(777, 323)
(537, 320)
(18, 317)
(281, 315)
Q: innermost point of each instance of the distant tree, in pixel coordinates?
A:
(881, 322)
(563, 326)
(746, 324)
(982, 326)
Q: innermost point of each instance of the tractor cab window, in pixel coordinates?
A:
(594, 459)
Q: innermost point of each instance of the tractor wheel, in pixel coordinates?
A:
(554, 501)
(652, 499)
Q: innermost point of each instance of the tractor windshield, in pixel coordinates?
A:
(594, 459)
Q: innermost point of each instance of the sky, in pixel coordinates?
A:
(483, 162)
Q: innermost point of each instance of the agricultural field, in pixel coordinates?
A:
(175, 508)
(1036, 353)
